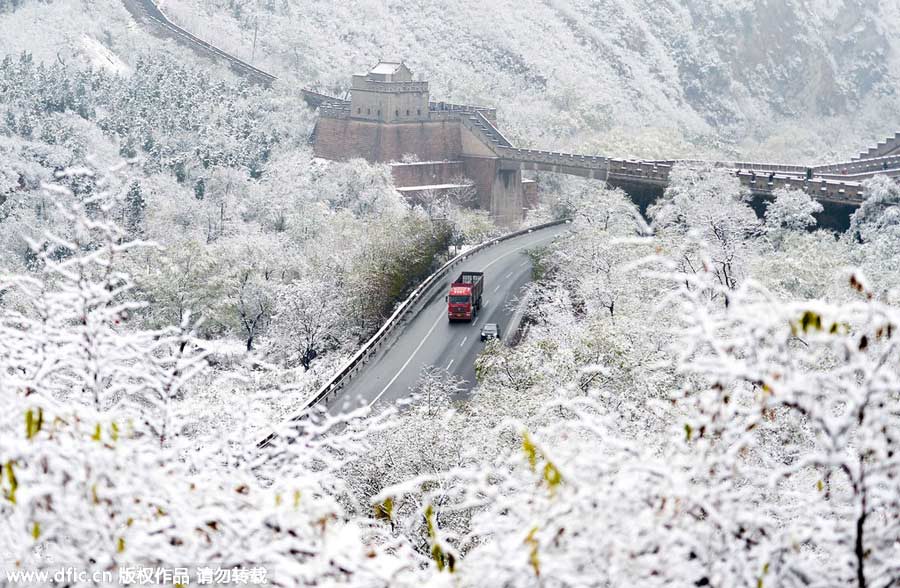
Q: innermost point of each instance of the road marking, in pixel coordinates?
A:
(448, 365)
(497, 288)
(524, 264)
(509, 275)
(412, 355)
(440, 318)
(464, 341)
(516, 250)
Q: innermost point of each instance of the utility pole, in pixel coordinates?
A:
(255, 31)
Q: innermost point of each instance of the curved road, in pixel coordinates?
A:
(429, 339)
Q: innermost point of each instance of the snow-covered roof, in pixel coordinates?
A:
(433, 187)
(386, 68)
(402, 163)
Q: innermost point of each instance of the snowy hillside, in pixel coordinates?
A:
(698, 396)
(794, 80)
(674, 78)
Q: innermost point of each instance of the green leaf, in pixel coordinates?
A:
(36, 530)
(688, 429)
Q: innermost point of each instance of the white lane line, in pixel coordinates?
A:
(464, 340)
(448, 365)
(516, 250)
(412, 355)
(440, 318)
(509, 275)
(498, 287)
(524, 264)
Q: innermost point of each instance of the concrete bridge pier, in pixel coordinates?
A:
(499, 190)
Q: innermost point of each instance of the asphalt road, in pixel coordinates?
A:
(429, 339)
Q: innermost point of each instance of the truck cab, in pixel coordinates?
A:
(464, 298)
(459, 303)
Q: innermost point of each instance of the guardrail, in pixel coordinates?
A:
(330, 389)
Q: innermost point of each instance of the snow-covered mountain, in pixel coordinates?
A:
(793, 79)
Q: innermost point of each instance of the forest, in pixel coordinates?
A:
(702, 395)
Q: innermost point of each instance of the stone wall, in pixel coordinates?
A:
(447, 149)
(428, 173)
(342, 139)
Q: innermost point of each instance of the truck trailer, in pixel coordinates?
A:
(464, 299)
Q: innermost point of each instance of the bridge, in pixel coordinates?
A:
(457, 137)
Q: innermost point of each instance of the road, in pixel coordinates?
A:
(429, 339)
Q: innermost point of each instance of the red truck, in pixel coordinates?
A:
(464, 299)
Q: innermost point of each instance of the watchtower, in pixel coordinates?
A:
(388, 94)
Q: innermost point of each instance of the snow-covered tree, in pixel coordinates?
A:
(879, 215)
(792, 210)
(306, 319)
(712, 203)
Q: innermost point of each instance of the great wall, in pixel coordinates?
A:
(437, 146)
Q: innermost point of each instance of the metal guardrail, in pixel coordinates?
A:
(330, 389)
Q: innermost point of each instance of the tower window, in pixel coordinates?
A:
(397, 113)
(407, 112)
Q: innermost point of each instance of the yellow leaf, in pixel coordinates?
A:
(530, 451)
(13, 482)
(552, 475)
(120, 544)
(533, 544)
(385, 510)
(96, 435)
(36, 530)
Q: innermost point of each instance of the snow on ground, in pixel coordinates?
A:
(100, 56)
(433, 187)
